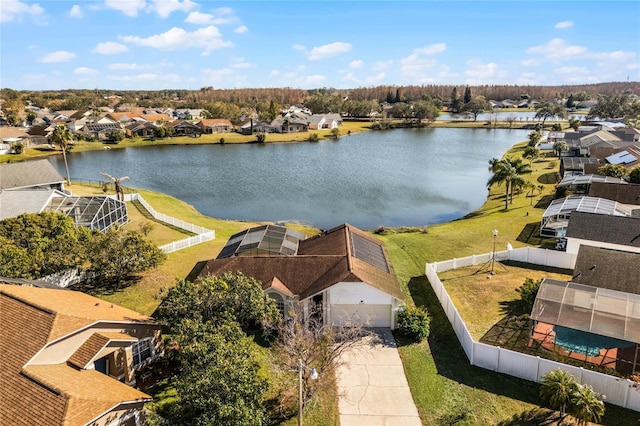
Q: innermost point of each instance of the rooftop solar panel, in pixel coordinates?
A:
(368, 251)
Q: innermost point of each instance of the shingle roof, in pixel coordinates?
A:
(27, 174)
(16, 202)
(605, 228)
(625, 194)
(606, 268)
(321, 262)
(46, 395)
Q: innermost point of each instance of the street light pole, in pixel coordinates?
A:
(493, 254)
(313, 375)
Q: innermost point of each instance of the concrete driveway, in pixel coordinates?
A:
(372, 387)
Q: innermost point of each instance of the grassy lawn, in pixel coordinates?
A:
(478, 298)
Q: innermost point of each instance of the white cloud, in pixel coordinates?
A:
(217, 74)
(239, 63)
(128, 7)
(128, 67)
(617, 55)
(558, 49)
(314, 79)
(148, 77)
(110, 48)
(274, 73)
(382, 65)
(84, 71)
(351, 77)
(572, 71)
(299, 47)
(199, 18)
(59, 56)
(378, 78)
(328, 50)
(531, 63)
(165, 8)
(241, 29)
(76, 11)
(564, 24)
(356, 64)
(432, 49)
(12, 10)
(479, 73)
(207, 38)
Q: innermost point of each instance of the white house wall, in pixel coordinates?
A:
(353, 293)
(573, 245)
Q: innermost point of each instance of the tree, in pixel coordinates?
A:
(216, 300)
(550, 109)
(586, 404)
(335, 132)
(305, 337)
(610, 107)
(220, 382)
(476, 106)
(574, 123)
(528, 292)
(613, 170)
(261, 137)
(455, 100)
(62, 137)
(398, 98)
(414, 323)
(116, 254)
(467, 95)
(634, 175)
(534, 137)
(559, 147)
(570, 102)
(557, 388)
(424, 110)
(530, 153)
(117, 183)
(510, 173)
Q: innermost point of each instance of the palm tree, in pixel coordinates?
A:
(560, 147)
(117, 183)
(510, 173)
(586, 405)
(61, 136)
(557, 389)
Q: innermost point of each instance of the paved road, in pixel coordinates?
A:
(373, 389)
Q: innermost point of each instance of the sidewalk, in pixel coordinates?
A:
(372, 387)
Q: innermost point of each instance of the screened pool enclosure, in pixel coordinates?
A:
(99, 213)
(593, 324)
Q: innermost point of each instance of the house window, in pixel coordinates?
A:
(142, 350)
(279, 302)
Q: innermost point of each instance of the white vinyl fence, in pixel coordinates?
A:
(203, 234)
(622, 392)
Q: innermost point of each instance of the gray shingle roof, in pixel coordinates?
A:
(605, 268)
(15, 203)
(28, 174)
(608, 229)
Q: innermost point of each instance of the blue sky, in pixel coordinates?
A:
(188, 44)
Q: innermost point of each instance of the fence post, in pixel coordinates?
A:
(498, 359)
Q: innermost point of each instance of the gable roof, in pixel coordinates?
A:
(28, 174)
(341, 254)
(625, 194)
(16, 202)
(606, 268)
(214, 122)
(604, 228)
(54, 394)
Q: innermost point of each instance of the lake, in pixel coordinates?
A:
(402, 177)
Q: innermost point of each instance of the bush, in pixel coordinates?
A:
(221, 140)
(414, 323)
(261, 137)
(18, 148)
(528, 292)
(556, 127)
(313, 137)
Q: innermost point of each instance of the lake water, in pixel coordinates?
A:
(519, 116)
(402, 177)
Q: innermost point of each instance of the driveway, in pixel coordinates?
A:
(373, 389)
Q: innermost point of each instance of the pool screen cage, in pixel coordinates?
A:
(99, 213)
(588, 323)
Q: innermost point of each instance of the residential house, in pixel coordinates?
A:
(34, 174)
(594, 317)
(251, 126)
(324, 121)
(628, 194)
(122, 117)
(291, 123)
(215, 125)
(101, 131)
(66, 357)
(40, 134)
(571, 166)
(605, 231)
(185, 128)
(555, 219)
(142, 129)
(157, 119)
(189, 114)
(344, 272)
(10, 135)
(581, 184)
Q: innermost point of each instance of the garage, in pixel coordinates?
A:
(371, 315)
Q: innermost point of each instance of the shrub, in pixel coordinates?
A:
(313, 137)
(528, 292)
(261, 137)
(414, 322)
(221, 140)
(556, 127)
(18, 147)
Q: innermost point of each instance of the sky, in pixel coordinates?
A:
(189, 44)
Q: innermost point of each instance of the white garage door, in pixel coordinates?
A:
(370, 315)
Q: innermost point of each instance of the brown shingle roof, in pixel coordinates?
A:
(625, 194)
(47, 395)
(605, 228)
(321, 262)
(605, 268)
(94, 344)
